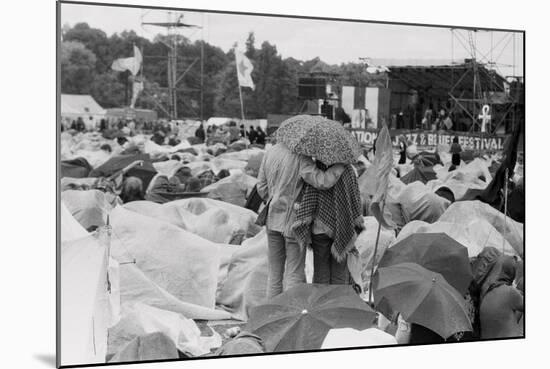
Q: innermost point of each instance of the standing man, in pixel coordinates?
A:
(233, 132)
(199, 133)
(260, 139)
(252, 135)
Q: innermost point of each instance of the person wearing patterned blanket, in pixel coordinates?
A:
(329, 221)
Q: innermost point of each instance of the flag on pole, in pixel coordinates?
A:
(383, 163)
(244, 70)
(133, 64)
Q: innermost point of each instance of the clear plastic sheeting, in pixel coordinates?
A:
(244, 155)
(182, 263)
(154, 346)
(245, 218)
(418, 202)
(349, 337)
(474, 234)
(84, 307)
(463, 178)
(245, 182)
(167, 168)
(141, 319)
(365, 245)
(173, 215)
(232, 292)
(90, 208)
(136, 287)
(214, 224)
(70, 228)
(511, 230)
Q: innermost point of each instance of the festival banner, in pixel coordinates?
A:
(426, 139)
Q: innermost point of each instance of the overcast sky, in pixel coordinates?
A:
(333, 41)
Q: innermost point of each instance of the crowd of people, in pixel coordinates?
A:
(230, 134)
(304, 205)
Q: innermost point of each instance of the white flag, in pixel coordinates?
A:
(132, 64)
(244, 70)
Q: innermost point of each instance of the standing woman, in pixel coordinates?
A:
(402, 150)
(281, 177)
(329, 222)
(456, 149)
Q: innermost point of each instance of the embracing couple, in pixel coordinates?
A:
(307, 205)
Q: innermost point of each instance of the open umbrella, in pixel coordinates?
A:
(300, 318)
(426, 159)
(145, 172)
(423, 174)
(436, 252)
(323, 139)
(422, 297)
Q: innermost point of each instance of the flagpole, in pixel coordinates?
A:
(374, 256)
(240, 97)
(505, 206)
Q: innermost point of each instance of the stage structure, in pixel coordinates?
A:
(173, 26)
(503, 99)
(318, 91)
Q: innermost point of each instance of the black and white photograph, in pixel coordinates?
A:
(238, 184)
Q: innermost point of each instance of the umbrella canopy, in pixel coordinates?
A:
(436, 252)
(422, 297)
(426, 159)
(75, 168)
(300, 318)
(419, 173)
(323, 139)
(145, 172)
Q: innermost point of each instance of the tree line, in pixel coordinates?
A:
(86, 55)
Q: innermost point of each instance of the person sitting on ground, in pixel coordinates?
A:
(106, 148)
(193, 185)
(223, 173)
(183, 174)
(242, 131)
(132, 190)
(158, 137)
(207, 178)
(121, 140)
(502, 307)
(173, 140)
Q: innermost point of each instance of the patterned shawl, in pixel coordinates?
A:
(338, 208)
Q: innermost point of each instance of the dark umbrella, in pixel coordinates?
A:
(422, 297)
(300, 318)
(419, 173)
(323, 139)
(145, 172)
(75, 168)
(426, 159)
(436, 252)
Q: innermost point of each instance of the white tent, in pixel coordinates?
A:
(85, 314)
(81, 106)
